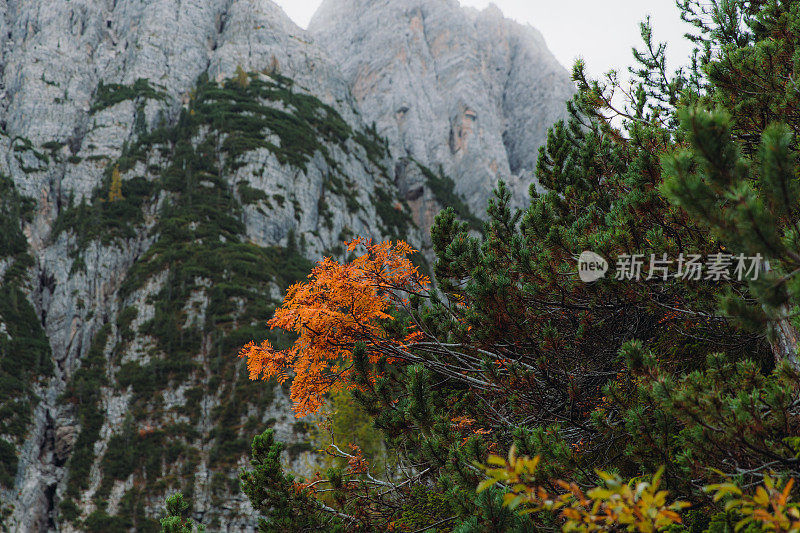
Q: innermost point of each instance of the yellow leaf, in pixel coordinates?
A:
(496, 460)
(742, 523)
(657, 477)
(512, 454)
(761, 498)
(485, 484)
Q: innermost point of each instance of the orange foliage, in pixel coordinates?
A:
(340, 305)
(356, 464)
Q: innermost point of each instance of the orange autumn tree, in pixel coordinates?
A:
(340, 305)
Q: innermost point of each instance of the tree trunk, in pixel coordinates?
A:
(787, 339)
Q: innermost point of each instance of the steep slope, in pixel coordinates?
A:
(469, 91)
(169, 167)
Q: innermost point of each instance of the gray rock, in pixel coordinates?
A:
(470, 91)
(54, 58)
(65, 439)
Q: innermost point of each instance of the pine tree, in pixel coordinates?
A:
(115, 190)
(242, 79)
(284, 504)
(176, 520)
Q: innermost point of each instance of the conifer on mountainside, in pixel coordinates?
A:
(511, 350)
(115, 190)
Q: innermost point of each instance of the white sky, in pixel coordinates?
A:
(600, 31)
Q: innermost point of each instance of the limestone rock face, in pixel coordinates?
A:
(240, 148)
(94, 88)
(470, 91)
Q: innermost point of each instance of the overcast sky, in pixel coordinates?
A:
(602, 32)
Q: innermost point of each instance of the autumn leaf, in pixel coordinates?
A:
(341, 305)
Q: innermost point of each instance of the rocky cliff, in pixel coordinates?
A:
(467, 94)
(167, 168)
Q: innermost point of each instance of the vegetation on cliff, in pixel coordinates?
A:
(198, 250)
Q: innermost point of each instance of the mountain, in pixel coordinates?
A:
(168, 169)
(467, 92)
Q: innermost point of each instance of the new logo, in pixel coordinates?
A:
(591, 267)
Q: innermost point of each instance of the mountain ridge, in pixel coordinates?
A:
(468, 90)
(169, 170)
